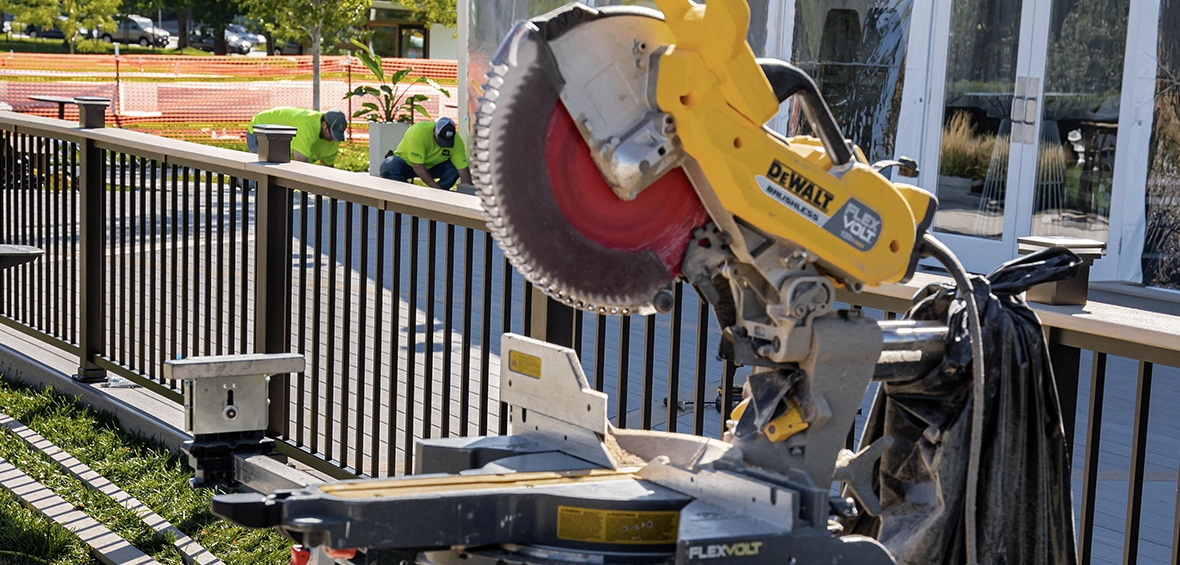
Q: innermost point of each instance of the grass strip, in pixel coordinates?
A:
(28, 538)
(138, 465)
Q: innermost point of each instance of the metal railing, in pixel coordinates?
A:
(397, 296)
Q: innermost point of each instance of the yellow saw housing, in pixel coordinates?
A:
(857, 223)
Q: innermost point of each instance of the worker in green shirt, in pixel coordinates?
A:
(431, 151)
(318, 133)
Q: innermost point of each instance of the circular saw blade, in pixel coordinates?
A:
(545, 200)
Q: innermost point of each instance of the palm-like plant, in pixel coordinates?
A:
(394, 101)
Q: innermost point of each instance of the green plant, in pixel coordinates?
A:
(394, 101)
(965, 153)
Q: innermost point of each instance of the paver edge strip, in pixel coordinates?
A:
(107, 546)
(191, 552)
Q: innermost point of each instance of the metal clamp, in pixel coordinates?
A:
(225, 409)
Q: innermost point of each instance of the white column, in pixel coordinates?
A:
(1128, 222)
(780, 35)
(462, 9)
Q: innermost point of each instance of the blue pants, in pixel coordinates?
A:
(252, 143)
(396, 168)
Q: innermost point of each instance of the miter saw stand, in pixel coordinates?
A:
(565, 486)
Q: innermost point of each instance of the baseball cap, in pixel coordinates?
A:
(444, 132)
(336, 123)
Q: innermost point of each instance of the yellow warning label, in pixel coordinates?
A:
(524, 364)
(617, 526)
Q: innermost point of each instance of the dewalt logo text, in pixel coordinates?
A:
(800, 186)
(740, 549)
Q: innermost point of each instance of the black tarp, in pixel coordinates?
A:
(1025, 513)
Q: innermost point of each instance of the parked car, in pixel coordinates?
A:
(202, 38)
(55, 32)
(241, 31)
(288, 48)
(137, 29)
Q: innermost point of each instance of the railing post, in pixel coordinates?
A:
(551, 320)
(91, 271)
(272, 277)
(1066, 362)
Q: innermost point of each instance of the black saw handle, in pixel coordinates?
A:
(788, 80)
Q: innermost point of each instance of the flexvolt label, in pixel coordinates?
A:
(855, 223)
(718, 550)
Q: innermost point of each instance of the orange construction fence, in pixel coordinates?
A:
(202, 97)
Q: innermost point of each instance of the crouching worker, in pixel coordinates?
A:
(318, 134)
(431, 151)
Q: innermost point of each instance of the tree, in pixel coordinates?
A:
(216, 14)
(70, 16)
(442, 12)
(312, 21)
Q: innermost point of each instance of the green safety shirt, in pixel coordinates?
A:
(307, 141)
(418, 147)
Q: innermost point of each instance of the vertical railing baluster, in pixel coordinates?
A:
(727, 395)
(207, 244)
(378, 330)
(1138, 461)
(485, 344)
(649, 373)
(363, 319)
(55, 197)
(174, 254)
(301, 327)
(155, 250)
(428, 331)
(185, 244)
(600, 352)
(220, 304)
(411, 350)
(124, 305)
(346, 337)
(395, 320)
(1090, 465)
(505, 327)
(316, 324)
(231, 304)
(448, 322)
(702, 368)
(330, 369)
(465, 363)
(674, 359)
(624, 363)
(244, 346)
(579, 319)
(144, 255)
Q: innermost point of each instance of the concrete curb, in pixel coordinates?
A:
(17, 366)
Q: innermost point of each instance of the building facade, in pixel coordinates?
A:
(397, 34)
(1027, 117)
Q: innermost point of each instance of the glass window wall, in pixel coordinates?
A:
(1161, 249)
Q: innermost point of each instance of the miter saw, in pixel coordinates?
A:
(618, 150)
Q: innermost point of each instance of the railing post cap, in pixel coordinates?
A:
(92, 101)
(275, 131)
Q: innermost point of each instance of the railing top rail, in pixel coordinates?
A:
(1142, 328)
(451, 207)
(1113, 324)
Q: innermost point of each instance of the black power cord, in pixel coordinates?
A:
(931, 247)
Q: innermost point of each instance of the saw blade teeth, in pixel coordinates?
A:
(491, 103)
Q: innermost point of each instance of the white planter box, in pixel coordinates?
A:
(383, 139)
